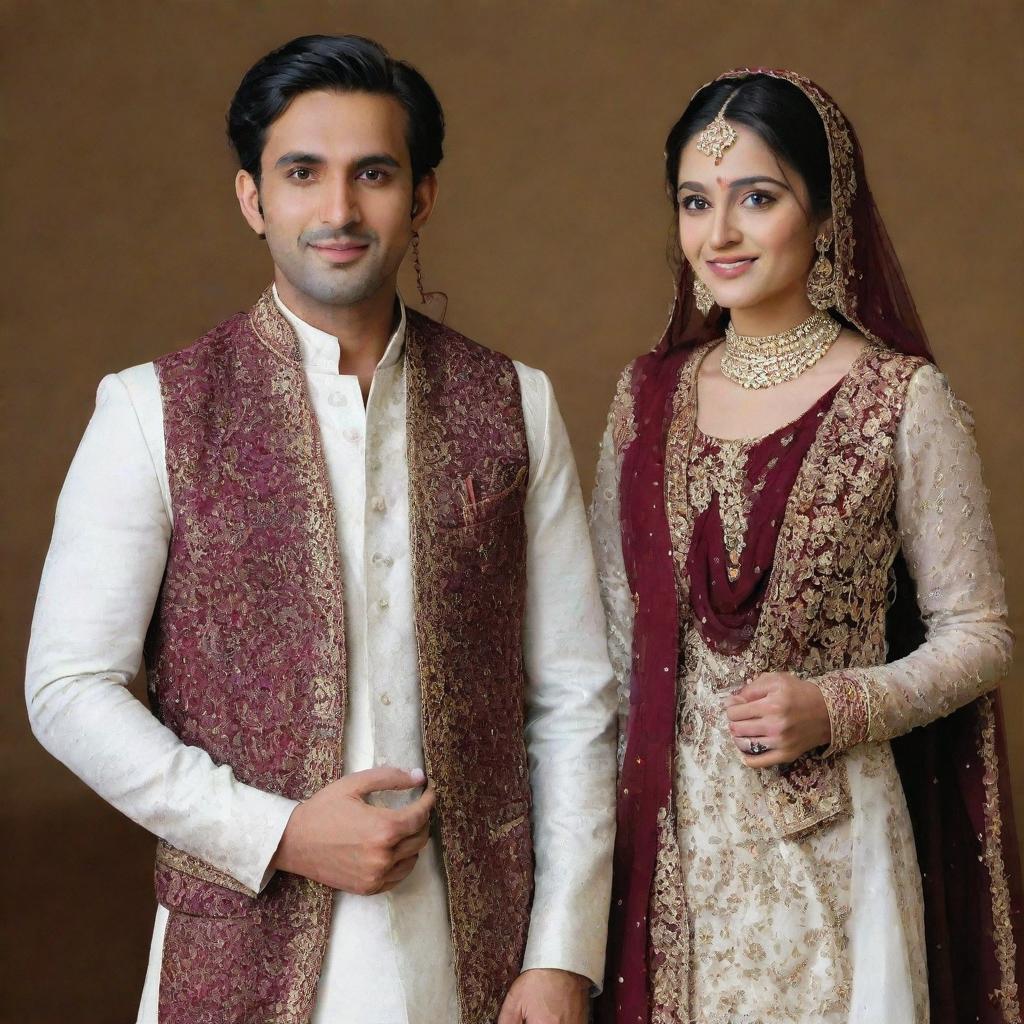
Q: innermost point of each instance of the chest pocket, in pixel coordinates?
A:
(492, 539)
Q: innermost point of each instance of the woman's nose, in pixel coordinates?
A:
(724, 231)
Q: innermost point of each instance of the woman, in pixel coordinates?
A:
(756, 498)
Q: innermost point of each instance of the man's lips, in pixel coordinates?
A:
(732, 267)
(340, 252)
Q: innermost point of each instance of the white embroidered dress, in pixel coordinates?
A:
(829, 928)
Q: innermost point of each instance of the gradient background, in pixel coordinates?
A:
(123, 241)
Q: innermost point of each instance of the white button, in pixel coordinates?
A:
(352, 435)
(386, 560)
(336, 398)
(378, 504)
(383, 604)
(385, 699)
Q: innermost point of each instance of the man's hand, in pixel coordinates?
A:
(336, 838)
(542, 996)
(782, 713)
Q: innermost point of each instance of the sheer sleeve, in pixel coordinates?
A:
(606, 536)
(950, 549)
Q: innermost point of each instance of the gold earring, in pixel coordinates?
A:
(821, 284)
(702, 295)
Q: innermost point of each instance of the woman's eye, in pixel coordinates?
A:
(758, 199)
(695, 203)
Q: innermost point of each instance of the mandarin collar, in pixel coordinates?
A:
(320, 351)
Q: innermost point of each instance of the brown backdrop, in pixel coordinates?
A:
(124, 241)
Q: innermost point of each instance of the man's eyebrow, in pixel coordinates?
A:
(370, 160)
(376, 160)
(297, 157)
(696, 186)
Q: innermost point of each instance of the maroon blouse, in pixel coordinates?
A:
(728, 581)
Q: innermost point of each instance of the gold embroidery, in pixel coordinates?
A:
(168, 856)
(669, 931)
(721, 468)
(737, 873)
(849, 715)
(677, 467)
(621, 415)
(1006, 949)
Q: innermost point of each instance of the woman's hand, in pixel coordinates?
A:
(780, 712)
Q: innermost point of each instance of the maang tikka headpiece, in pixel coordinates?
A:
(719, 136)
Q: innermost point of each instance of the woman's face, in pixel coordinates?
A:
(746, 225)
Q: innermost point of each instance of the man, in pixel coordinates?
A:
(352, 545)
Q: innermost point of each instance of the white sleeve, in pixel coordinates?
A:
(606, 534)
(570, 730)
(950, 549)
(99, 586)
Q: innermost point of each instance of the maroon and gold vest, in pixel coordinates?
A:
(247, 660)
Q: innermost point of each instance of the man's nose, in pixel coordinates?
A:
(339, 205)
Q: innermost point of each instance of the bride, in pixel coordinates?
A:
(786, 455)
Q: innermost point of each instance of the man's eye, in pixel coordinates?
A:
(300, 173)
(374, 174)
(695, 203)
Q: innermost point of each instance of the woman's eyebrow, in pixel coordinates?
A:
(696, 186)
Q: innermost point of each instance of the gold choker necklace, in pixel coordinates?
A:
(776, 358)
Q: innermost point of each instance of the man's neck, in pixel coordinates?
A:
(363, 330)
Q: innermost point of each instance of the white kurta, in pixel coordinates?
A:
(389, 958)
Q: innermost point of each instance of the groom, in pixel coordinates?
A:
(350, 544)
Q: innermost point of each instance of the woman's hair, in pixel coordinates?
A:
(780, 113)
(340, 64)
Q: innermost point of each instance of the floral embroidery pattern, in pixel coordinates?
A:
(621, 415)
(669, 932)
(720, 467)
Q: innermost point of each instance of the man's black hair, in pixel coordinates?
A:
(333, 63)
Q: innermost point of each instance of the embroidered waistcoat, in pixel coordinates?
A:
(827, 595)
(247, 660)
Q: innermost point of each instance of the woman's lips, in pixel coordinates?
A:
(730, 268)
(342, 252)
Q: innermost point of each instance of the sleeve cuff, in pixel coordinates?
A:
(579, 950)
(258, 872)
(846, 699)
(566, 963)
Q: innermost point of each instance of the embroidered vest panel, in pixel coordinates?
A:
(468, 476)
(827, 599)
(246, 651)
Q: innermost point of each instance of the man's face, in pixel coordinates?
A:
(336, 199)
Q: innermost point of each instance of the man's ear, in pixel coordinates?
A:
(424, 196)
(249, 202)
